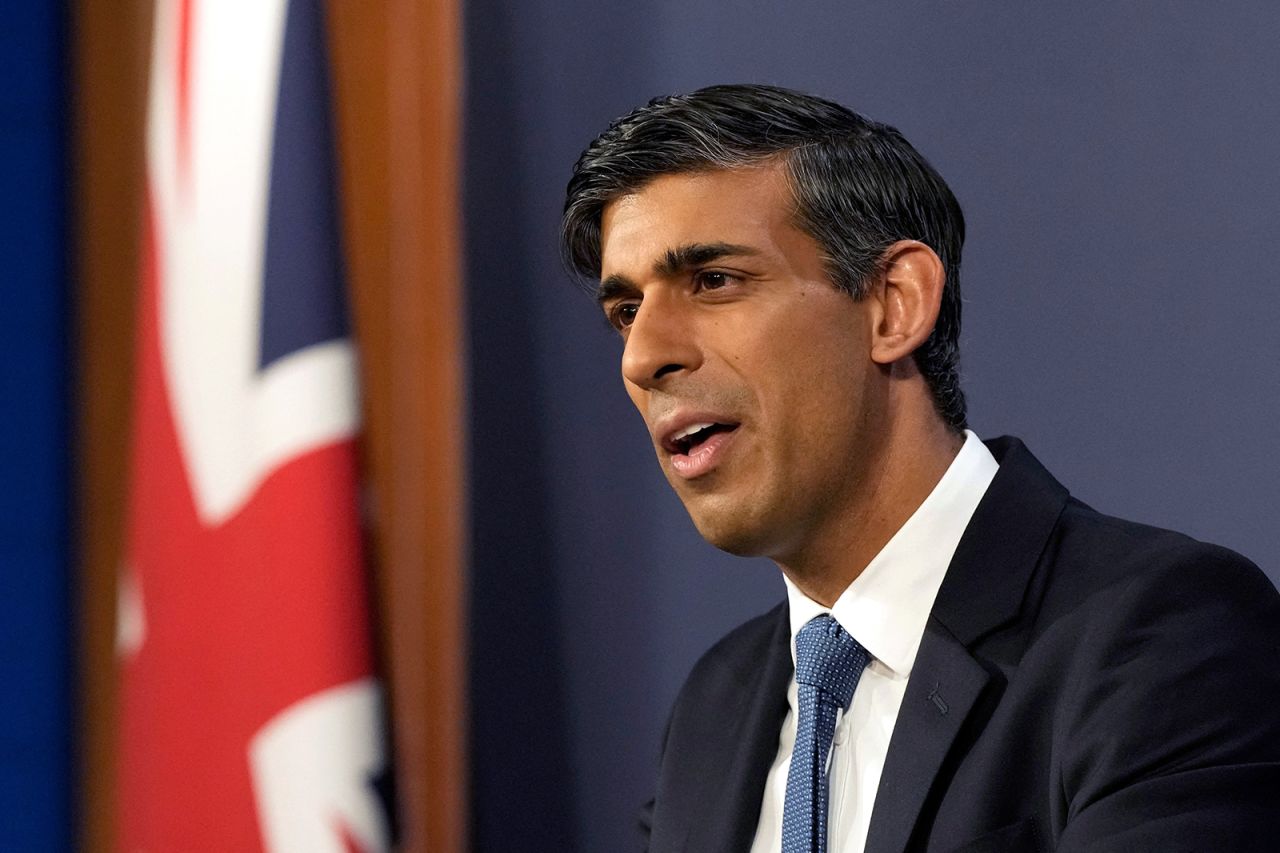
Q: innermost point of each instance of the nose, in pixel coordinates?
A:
(661, 342)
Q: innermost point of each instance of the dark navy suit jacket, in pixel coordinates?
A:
(1083, 684)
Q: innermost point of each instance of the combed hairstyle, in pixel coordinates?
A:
(858, 186)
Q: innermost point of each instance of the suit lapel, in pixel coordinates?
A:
(984, 589)
(734, 769)
(945, 683)
(988, 576)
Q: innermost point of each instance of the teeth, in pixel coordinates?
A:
(690, 430)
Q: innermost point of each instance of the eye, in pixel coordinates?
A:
(622, 314)
(712, 279)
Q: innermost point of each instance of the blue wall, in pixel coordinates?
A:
(1116, 164)
(35, 645)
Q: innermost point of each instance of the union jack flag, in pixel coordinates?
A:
(251, 718)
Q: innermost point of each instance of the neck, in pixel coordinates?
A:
(901, 474)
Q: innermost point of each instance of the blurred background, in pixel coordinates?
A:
(536, 593)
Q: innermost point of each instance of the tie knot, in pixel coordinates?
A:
(829, 659)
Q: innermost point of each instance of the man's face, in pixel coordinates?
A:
(752, 372)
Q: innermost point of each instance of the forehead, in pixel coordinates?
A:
(749, 206)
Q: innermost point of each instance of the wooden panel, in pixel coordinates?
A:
(111, 53)
(397, 83)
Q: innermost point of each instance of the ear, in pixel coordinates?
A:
(908, 295)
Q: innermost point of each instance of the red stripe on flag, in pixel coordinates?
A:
(349, 842)
(186, 12)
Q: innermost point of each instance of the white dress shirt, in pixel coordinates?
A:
(885, 609)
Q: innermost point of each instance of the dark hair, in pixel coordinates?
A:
(859, 186)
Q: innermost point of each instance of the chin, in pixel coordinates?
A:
(731, 532)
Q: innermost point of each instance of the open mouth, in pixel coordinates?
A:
(689, 439)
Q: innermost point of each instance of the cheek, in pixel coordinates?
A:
(814, 396)
(637, 395)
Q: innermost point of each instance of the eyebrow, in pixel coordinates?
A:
(614, 287)
(672, 262)
(683, 257)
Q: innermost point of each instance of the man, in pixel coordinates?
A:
(968, 658)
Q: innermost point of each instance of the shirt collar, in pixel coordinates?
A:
(886, 607)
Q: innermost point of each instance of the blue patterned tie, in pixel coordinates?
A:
(828, 665)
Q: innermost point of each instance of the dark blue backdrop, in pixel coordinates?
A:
(35, 624)
(1116, 163)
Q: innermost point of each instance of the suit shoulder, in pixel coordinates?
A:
(1112, 588)
(742, 647)
(1158, 651)
(1096, 553)
(736, 657)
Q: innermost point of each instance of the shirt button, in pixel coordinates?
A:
(841, 735)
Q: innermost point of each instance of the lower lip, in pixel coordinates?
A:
(705, 458)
